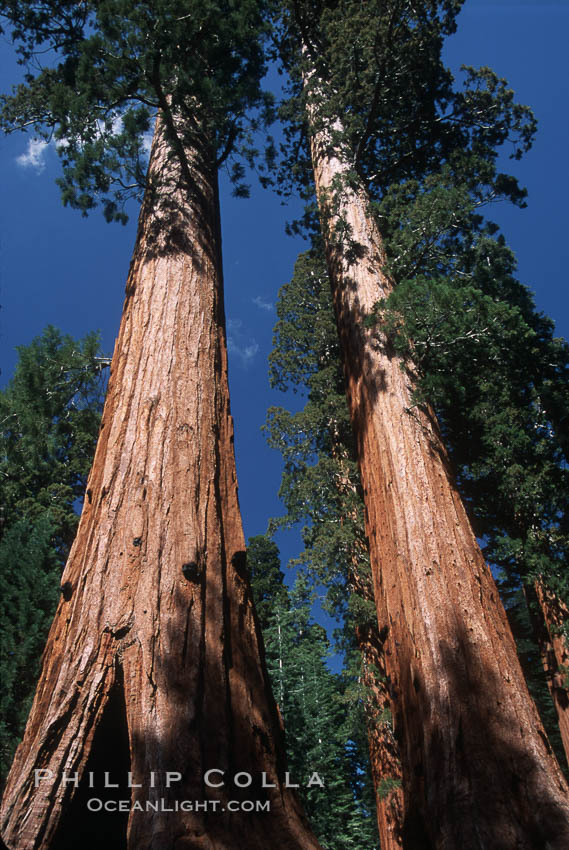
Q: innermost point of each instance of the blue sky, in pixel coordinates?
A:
(58, 268)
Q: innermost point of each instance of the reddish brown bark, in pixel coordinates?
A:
(385, 760)
(384, 755)
(154, 661)
(547, 615)
(478, 770)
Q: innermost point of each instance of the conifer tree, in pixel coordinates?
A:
(321, 487)
(321, 484)
(503, 436)
(50, 414)
(379, 111)
(321, 736)
(154, 661)
(29, 590)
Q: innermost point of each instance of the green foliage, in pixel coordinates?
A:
(426, 151)
(321, 736)
(518, 605)
(386, 786)
(49, 415)
(376, 68)
(267, 578)
(29, 589)
(320, 483)
(478, 351)
(112, 65)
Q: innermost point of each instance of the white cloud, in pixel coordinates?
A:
(61, 143)
(245, 353)
(262, 305)
(241, 346)
(35, 155)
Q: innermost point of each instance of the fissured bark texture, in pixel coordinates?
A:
(384, 754)
(385, 761)
(154, 662)
(478, 769)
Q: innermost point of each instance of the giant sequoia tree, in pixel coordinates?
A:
(321, 487)
(154, 662)
(379, 112)
(510, 470)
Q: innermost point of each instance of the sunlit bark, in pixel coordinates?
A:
(477, 768)
(154, 662)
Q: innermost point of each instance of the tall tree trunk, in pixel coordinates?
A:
(384, 755)
(478, 769)
(385, 759)
(154, 662)
(547, 615)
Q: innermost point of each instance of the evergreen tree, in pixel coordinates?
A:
(489, 364)
(321, 484)
(321, 487)
(154, 660)
(267, 578)
(117, 65)
(50, 413)
(29, 589)
(322, 737)
(378, 115)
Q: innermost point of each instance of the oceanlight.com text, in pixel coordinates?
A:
(95, 804)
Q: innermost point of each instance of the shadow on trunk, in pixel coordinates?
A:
(109, 754)
(210, 729)
(366, 340)
(489, 783)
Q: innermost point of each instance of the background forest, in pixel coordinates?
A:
(64, 272)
